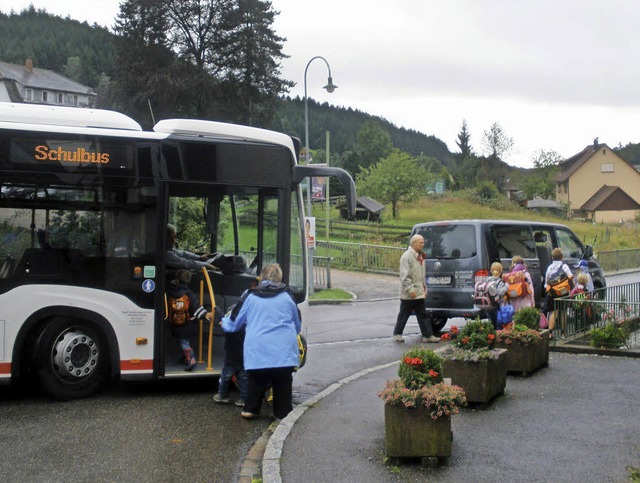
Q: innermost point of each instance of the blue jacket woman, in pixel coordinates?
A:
(272, 322)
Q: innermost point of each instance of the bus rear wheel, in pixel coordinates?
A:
(72, 359)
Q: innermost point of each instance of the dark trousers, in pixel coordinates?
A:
(281, 379)
(413, 306)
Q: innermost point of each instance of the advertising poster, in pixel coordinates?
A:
(310, 231)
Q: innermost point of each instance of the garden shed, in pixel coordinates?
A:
(366, 209)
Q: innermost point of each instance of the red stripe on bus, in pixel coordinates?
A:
(5, 367)
(136, 365)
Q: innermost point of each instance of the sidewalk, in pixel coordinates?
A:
(573, 421)
(366, 286)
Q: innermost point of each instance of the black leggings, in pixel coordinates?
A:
(281, 379)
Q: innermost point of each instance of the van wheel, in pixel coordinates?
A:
(72, 359)
(438, 323)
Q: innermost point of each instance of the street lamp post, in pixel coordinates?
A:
(330, 87)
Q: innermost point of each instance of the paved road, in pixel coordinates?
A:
(133, 432)
(172, 431)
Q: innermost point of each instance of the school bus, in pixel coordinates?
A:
(85, 199)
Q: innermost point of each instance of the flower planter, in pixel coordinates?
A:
(411, 433)
(483, 380)
(526, 359)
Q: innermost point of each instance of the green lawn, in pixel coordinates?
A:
(453, 205)
(331, 294)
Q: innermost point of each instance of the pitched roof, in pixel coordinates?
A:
(571, 165)
(610, 198)
(541, 203)
(369, 204)
(42, 79)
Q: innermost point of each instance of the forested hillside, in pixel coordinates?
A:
(139, 65)
(66, 46)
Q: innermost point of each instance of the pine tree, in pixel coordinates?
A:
(463, 141)
(252, 52)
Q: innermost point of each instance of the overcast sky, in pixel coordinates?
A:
(554, 74)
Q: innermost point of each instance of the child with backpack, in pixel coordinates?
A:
(233, 366)
(497, 290)
(558, 282)
(583, 311)
(519, 285)
(183, 311)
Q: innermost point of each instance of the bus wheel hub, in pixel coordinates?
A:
(75, 355)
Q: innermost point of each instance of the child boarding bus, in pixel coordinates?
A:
(85, 200)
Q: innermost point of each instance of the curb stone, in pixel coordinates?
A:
(275, 443)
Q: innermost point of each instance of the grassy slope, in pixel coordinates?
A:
(452, 206)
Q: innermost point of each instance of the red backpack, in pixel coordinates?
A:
(179, 310)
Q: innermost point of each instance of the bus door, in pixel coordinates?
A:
(242, 229)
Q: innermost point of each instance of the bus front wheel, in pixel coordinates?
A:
(72, 358)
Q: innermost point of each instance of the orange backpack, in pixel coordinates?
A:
(179, 310)
(516, 283)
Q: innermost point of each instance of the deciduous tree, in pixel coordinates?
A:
(395, 178)
(495, 142)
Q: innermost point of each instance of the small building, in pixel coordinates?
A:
(31, 85)
(366, 209)
(610, 205)
(551, 206)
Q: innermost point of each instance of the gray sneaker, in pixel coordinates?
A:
(431, 339)
(219, 399)
(398, 338)
(239, 402)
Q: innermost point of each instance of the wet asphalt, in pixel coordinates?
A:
(576, 420)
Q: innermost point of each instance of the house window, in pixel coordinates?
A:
(60, 98)
(606, 168)
(28, 95)
(45, 96)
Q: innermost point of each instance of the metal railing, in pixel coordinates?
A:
(616, 260)
(321, 268)
(619, 305)
(321, 272)
(356, 256)
(385, 259)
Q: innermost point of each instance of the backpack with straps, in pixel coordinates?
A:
(179, 310)
(485, 294)
(559, 283)
(516, 283)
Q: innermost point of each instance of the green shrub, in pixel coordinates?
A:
(486, 190)
(476, 335)
(419, 368)
(612, 335)
(529, 316)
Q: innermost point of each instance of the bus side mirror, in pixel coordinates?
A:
(301, 172)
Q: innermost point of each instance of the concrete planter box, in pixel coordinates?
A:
(525, 360)
(482, 381)
(411, 433)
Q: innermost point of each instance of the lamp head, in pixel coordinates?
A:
(330, 87)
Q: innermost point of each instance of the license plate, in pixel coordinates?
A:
(438, 280)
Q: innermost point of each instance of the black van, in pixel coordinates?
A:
(460, 252)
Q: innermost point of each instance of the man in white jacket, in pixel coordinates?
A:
(413, 292)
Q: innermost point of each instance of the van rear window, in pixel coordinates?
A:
(449, 241)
